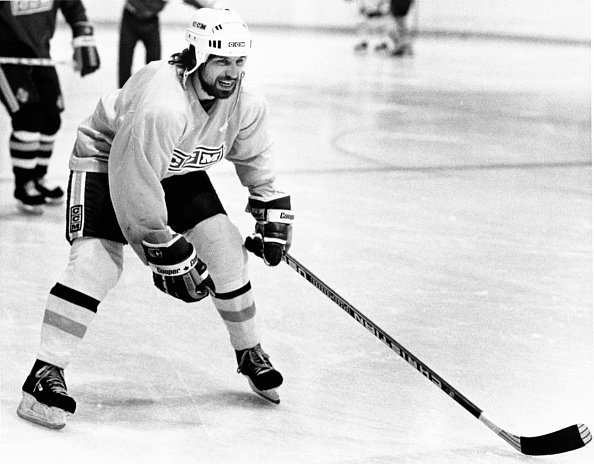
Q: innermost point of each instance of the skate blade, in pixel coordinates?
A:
(34, 210)
(32, 410)
(269, 395)
(54, 201)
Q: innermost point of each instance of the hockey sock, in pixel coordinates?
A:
(93, 269)
(23, 152)
(238, 310)
(43, 155)
(220, 245)
(67, 315)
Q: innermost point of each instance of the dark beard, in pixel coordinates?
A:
(212, 90)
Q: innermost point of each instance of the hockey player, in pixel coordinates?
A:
(140, 22)
(138, 176)
(32, 94)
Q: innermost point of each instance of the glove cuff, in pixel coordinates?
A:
(283, 216)
(261, 209)
(83, 41)
(173, 258)
(82, 28)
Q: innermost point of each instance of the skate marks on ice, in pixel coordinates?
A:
(164, 394)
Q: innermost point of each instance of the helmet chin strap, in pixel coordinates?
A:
(187, 72)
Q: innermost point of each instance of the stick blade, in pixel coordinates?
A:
(561, 441)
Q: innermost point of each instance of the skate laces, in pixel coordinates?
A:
(258, 360)
(52, 377)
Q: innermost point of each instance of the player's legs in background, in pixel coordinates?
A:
(400, 32)
(151, 37)
(52, 105)
(128, 39)
(20, 96)
(24, 145)
(363, 34)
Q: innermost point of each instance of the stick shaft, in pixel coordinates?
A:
(560, 441)
(384, 336)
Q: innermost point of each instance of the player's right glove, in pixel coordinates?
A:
(177, 270)
(86, 57)
(274, 228)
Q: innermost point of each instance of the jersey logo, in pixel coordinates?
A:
(201, 158)
(26, 7)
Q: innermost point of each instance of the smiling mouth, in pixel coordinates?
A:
(226, 83)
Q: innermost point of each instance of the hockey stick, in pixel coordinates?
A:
(560, 441)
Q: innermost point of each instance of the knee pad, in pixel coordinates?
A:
(220, 245)
(94, 267)
(51, 124)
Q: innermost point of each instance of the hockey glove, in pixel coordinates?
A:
(86, 57)
(272, 236)
(177, 270)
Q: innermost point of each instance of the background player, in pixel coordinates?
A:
(32, 94)
(138, 176)
(140, 22)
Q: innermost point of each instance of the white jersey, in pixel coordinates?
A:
(154, 128)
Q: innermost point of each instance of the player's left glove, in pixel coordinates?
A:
(86, 57)
(273, 233)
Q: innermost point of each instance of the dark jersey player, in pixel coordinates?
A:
(30, 89)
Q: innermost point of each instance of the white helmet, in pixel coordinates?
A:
(218, 32)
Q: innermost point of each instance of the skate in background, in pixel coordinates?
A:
(400, 33)
(373, 25)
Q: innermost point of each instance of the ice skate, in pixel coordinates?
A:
(29, 199)
(361, 47)
(45, 399)
(402, 50)
(263, 378)
(52, 194)
(380, 47)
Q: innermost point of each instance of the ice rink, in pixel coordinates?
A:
(448, 196)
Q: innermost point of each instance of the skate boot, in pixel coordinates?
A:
(53, 195)
(382, 46)
(45, 399)
(29, 199)
(402, 50)
(361, 47)
(262, 376)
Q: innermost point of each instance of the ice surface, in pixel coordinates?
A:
(447, 196)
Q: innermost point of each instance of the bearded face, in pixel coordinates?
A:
(220, 75)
